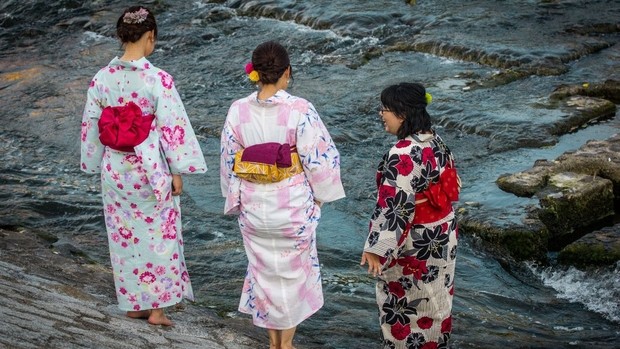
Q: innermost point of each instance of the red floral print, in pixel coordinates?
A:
(404, 165)
(446, 325)
(425, 322)
(429, 345)
(385, 191)
(413, 266)
(428, 155)
(400, 331)
(403, 143)
(396, 288)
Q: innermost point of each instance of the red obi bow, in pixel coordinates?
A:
(269, 153)
(442, 194)
(123, 127)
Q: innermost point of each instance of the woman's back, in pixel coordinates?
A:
(273, 120)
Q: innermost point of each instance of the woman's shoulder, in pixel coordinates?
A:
(244, 100)
(287, 98)
(404, 145)
(157, 71)
(158, 74)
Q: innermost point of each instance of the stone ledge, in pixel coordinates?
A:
(601, 247)
(52, 301)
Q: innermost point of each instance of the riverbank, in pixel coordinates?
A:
(54, 299)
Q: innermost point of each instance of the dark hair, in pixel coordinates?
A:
(132, 32)
(408, 101)
(270, 60)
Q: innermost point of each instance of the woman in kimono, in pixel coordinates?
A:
(411, 246)
(135, 132)
(278, 218)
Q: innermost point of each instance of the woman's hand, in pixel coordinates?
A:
(177, 184)
(374, 263)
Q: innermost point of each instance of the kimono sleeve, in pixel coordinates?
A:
(229, 182)
(91, 147)
(177, 138)
(395, 204)
(319, 157)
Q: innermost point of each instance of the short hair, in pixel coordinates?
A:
(132, 32)
(270, 60)
(408, 101)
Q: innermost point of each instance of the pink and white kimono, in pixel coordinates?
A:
(278, 221)
(143, 219)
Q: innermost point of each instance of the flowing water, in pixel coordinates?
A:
(343, 54)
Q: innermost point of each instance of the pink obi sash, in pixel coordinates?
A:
(268, 153)
(123, 127)
(267, 163)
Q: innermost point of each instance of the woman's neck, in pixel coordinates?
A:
(133, 52)
(267, 91)
(141, 48)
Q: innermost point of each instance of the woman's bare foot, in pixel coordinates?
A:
(142, 314)
(158, 317)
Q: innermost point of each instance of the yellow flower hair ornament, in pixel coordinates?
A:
(428, 98)
(252, 74)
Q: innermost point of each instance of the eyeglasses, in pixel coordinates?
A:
(383, 109)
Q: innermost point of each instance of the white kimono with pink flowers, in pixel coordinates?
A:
(143, 219)
(278, 221)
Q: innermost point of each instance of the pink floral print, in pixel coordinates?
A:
(142, 218)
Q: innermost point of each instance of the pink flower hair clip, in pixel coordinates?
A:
(136, 17)
(252, 74)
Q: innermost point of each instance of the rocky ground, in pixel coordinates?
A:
(578, 192)
(48, 300)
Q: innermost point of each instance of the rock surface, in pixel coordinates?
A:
(48, 300)
(573, 200)
(601, 247)
(578, 189)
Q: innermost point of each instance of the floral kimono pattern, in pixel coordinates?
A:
(278, 221)
(417, 243)
(142, 218)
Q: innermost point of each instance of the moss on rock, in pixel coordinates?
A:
(574, 200)
(597, 248)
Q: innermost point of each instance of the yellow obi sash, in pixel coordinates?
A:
(267, 163)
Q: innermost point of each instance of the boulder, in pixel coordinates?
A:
(596, 158)
(582, 110)
(600, 247)
(528, 182)
(572, 200)
(527, 241)
(583, 104)
(609, 89)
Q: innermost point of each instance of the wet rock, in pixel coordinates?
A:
(609, 89)
(573, 200)
(53, 301)
(528, 182)
(600, 247)
(575, 191)
(518, 242)
(581, 111)
(595, 158)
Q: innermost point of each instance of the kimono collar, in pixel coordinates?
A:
(423, 137)
(138, 64)
(277, 98)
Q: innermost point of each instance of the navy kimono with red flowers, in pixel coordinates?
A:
(414, 229)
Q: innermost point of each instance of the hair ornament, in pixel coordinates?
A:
(252, 74)
(136, 17)
(428, 97)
